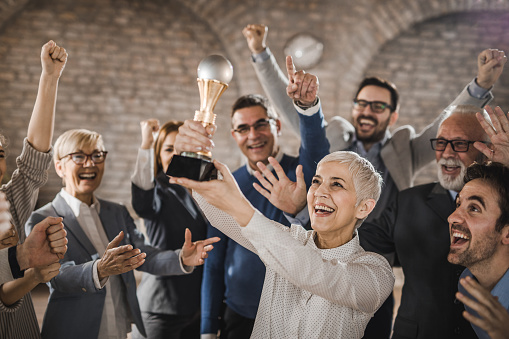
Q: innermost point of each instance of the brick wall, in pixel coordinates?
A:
(131, 60)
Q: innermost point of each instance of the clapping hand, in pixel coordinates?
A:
(8, 234)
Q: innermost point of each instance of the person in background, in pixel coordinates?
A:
(35, 258)
(170, 306)
(94, 295)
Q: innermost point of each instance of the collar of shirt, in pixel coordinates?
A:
(278, 157)
(453, 195)
(75, 204)
(344, 251)
(375, 149)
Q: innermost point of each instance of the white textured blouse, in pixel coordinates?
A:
(308, 292)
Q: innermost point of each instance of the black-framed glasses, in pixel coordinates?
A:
(261, 125)
(376, 106)
(457, 145)
(79, 158)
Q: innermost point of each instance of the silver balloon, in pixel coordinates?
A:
(215, 67)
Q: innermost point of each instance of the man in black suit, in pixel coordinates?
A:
(415, 227)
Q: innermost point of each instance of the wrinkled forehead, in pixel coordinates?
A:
(461, 126)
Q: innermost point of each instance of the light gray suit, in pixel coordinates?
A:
(75, 305)
(405, 151)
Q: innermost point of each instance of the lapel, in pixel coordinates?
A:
(71, 224)
(440, 202)
(109, 220)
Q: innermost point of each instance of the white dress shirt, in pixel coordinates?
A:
(308, 292)
(115, 321)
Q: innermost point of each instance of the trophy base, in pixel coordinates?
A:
(191, 168)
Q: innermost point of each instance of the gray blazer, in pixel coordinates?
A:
(75, 305)
(405, 152)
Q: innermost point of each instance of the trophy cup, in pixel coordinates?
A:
(214, 74)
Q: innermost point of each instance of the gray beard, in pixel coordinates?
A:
(448, 182)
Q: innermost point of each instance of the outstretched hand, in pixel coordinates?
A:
(119, 259)
(490, 63)
(493, 317)
(53, 59)
(499, 136)
(224, 194)
(303, 87)
(195, 253)
(255, 36)
(288, 196)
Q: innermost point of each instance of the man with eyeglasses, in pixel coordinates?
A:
(415, 227)
(94, 294)
(233, 273)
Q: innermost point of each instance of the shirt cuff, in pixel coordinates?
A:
(301, 218)
(13, 263)
(184, 268)
(143, 175)
(308, 111)
(99, 284)
(477, 91)
(261, 57)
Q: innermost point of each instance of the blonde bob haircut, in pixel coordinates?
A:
(366, 180)
(76, 140)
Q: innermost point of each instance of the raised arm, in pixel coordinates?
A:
(498, 151)
(142, 197)
(273, 80)
(40, 128)
(490, 64)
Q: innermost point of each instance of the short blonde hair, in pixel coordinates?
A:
(75, 140)
(366, 180)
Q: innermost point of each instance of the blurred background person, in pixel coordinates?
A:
(170, 305)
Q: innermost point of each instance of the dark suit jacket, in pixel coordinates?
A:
(415, 227)
(75, 305)
(168, 210)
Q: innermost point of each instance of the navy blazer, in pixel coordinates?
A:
(75, 305)
(167, 210)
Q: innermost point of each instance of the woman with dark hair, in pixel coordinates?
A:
(170, 305)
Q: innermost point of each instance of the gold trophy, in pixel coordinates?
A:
(214, 74)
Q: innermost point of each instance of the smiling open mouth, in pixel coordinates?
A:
(256, 146)
(459, 238)
(450, 168)
(323, 210)
(87, 176)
